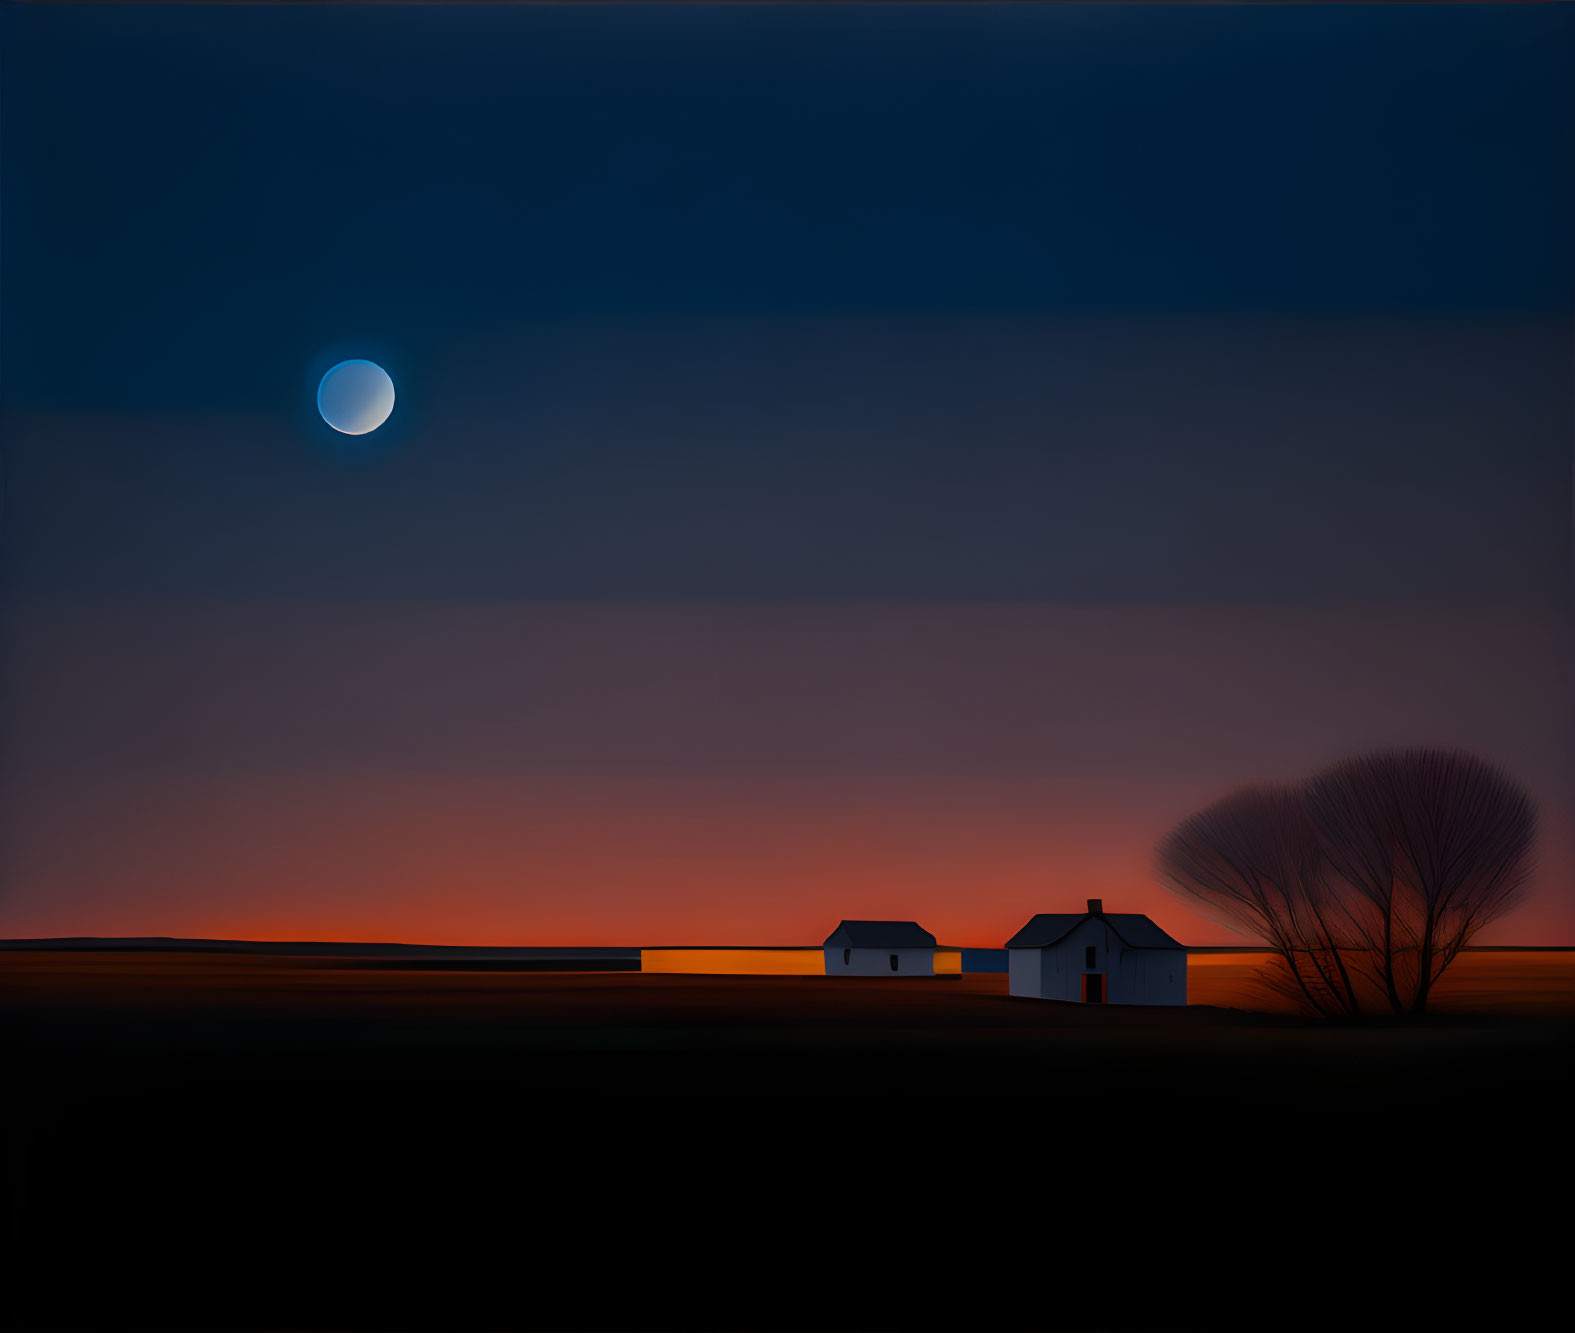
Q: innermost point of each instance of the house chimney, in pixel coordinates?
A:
(1096, 906)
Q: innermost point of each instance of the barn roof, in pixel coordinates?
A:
(881, 935)
(1133, 929)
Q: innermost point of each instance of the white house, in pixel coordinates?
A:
(880, 949)
(1097, 958)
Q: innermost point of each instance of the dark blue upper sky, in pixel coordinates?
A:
(190, 190)
(563, 228)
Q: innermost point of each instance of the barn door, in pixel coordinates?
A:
(1093, 988)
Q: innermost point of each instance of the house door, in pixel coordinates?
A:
(1093, 988)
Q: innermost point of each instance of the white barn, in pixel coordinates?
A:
(1096, 957)
(880, 949)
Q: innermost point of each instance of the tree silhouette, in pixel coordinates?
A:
(1253, 861)
(1423, 848)
(1378, 870)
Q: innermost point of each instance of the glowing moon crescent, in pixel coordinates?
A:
(356, 397)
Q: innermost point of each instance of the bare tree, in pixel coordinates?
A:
(1421, 848)
(1365, 882)
(1254, 862)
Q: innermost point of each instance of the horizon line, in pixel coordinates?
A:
(45, 941)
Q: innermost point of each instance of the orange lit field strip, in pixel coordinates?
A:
(736, 962)
(763, 962)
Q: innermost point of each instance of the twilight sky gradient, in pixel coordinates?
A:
(848, 461)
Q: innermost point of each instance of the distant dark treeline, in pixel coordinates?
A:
(576, 963)
(456, 953)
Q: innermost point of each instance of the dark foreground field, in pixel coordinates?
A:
(219, 1142)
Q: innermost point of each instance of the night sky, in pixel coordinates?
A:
(848, 462)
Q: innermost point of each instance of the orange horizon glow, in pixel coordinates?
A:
(617, 861)
(495, 775)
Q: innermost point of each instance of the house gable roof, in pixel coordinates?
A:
(881, 935)
(1133, 929)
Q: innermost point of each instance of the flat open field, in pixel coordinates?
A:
(1498, 981)
(1529, 982)
(222, 1141)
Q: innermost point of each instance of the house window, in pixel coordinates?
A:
(894, 962)
(1088, 956)
(847, 957)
